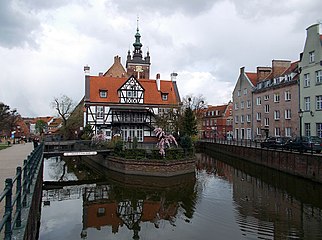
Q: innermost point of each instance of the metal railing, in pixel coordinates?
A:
(14, 203)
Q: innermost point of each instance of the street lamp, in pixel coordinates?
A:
(301, 116)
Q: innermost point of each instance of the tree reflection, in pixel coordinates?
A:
(127, 203)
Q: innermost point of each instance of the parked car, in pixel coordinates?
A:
(274, 142)
(305, 144)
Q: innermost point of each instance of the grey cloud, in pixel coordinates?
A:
(167, 7)
(17, 28)
(37, 5)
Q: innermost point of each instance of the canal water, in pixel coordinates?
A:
(224, 199)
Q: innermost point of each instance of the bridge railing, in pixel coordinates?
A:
(20, 183)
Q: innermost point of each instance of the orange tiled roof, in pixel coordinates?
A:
(252, 77)
(113, 84)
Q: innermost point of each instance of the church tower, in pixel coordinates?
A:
(137, 65)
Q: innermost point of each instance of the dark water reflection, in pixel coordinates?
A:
(225, 199)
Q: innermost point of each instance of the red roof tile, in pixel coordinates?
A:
(252, 77)
(112, 85)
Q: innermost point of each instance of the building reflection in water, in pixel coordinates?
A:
(269, 204)
(127, 203)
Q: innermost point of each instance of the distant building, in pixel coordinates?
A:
(243, 103)
(217, 122)
(275, 102)
(126, 102)
(265, 103)
(311, 82)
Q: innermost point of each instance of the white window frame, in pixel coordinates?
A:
(311, 57)
(288, 132)
(287, 114)
(288, 95)
(242, 105)
(266, 108)
(241, 118)
(258, 101)
(266, 97)
(99, 112)
(248, 118)
(248, 104)
(276, 97)
(258, 116)
(318, 100)
(307, 104)
(277, 115)
(306, 81)
(318, 77)
(277, 131)
(266, 122)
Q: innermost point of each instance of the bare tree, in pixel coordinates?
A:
(64, 106)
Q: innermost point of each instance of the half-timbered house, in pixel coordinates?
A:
(126, 102)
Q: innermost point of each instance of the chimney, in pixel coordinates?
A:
(87, 70)
(117, 59)
(173, 76)
(158, 82)
(87, 76)
(280, 66)
(100, 74)
(263, 72)
(242, 70)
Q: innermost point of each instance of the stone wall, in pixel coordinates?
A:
(304, 165)
(160, 168)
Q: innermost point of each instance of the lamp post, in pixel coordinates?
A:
(301, 116)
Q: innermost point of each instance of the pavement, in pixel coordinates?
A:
(11, 158)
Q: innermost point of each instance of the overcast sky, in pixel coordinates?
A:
(44, 45)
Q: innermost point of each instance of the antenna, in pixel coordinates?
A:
(137, 22)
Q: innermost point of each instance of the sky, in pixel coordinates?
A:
(44, 45)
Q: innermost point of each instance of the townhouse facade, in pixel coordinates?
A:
(242, 105)
(265, 102)
(275, 108)
(126, 102)
(217, 122)
(311, 83)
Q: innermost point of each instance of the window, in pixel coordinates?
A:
(258, 116)
(236, 106)
(288, 114)
(287, 96)
(236, 119)
(266, 97)
(306, 80)
(248, 104)
(276, 97)
(266, 108)
(258, 101)
(242, 105)
(277, 114)
(307, 129)
(99, 111)
(318, 100)
(248, 118)
(307, 104)
(266, 122)
(242, 119)
(277, 132)
(103, 93)
(164, 96)
(258, 131)
(287, 132)
(318, 75)
(238, 93)
(245, 91)
(311, 57)
(319, 130)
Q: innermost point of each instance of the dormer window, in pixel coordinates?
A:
(164, 96)
(103, 93)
